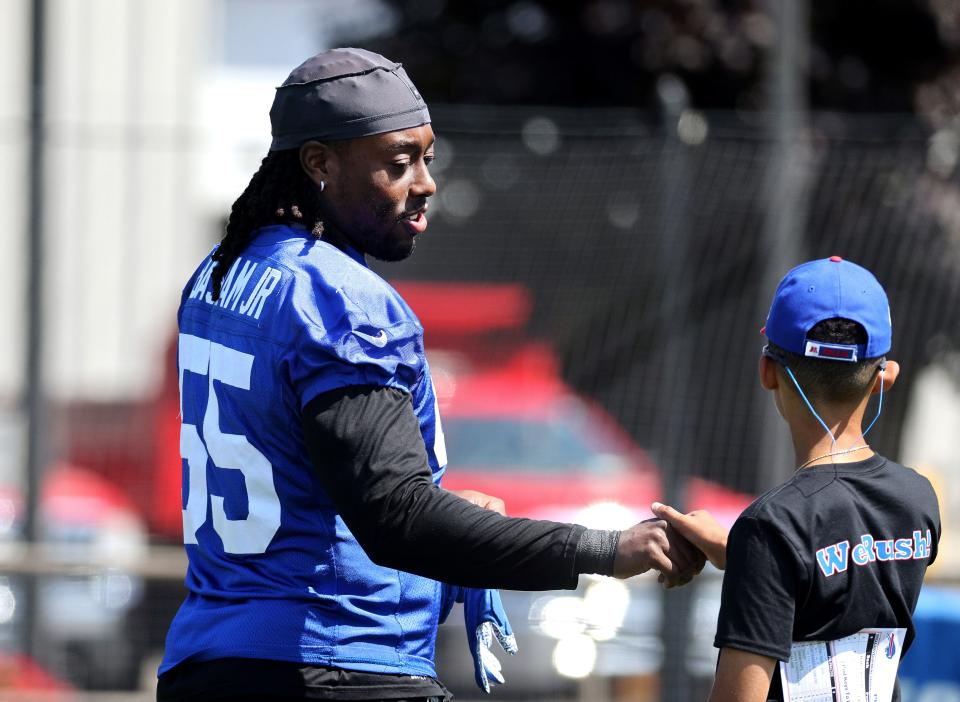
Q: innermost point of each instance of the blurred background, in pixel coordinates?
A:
(621, 186)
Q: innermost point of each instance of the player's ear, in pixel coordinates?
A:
(320, 162)
(888, 377)
(769, 380)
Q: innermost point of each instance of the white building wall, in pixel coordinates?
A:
(14, 82)
(123, 229)
(155, 123)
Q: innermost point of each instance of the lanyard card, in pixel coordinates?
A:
(861, 667)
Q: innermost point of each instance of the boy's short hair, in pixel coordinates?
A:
(828, 380)
(829, 323)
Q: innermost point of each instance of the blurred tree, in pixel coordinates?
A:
(866, 55)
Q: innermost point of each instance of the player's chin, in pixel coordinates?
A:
(398, 245)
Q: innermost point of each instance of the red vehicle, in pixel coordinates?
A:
(516, 430)
(81, 613)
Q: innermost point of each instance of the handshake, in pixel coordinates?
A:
(675, 544)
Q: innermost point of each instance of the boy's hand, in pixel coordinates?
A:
(653, 544)
(700, 528)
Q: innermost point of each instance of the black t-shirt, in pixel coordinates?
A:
(835, 549)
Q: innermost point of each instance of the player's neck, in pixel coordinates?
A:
(332, 235)
(812, 446)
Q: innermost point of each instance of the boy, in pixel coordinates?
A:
(843, 545)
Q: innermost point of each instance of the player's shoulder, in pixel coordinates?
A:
(335, 301)
(331, 277)
(292, 289)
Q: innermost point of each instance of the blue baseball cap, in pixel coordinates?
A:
(825, 289)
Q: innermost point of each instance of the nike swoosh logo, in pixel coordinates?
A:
(380, 340)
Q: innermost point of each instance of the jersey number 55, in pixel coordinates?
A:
(253, 533)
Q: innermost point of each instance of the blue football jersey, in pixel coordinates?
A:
(274, 572)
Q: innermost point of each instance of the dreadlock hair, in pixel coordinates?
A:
(833, 381)
(279, 192)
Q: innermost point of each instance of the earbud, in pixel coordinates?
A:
(882, 367)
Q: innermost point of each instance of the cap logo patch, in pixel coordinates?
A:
(833, 352)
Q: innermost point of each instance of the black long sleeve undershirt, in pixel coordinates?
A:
(365, 442)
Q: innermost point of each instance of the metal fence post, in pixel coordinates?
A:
(781, 246)
(36, 408)
(674, 236)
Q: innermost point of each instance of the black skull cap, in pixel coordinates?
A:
(344, 94)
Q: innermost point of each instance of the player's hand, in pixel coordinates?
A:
(642, 547)
(700, 528)
(494, 504)
(687, 558)
(654, 544)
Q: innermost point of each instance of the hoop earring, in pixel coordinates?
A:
(322, 185)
